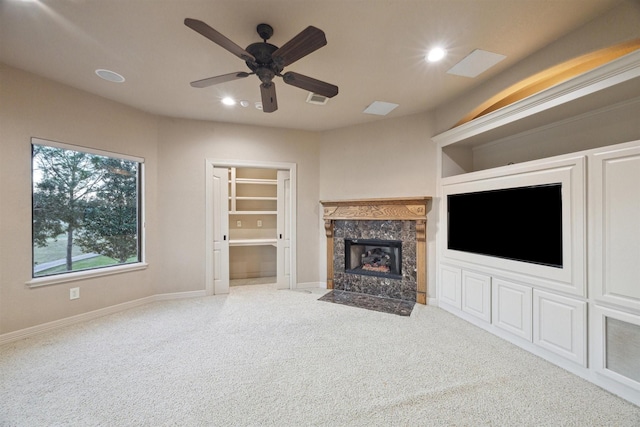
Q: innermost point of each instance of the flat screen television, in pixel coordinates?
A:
(522, 223)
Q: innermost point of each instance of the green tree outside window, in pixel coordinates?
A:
(85, 210)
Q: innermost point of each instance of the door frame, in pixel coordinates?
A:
(209, 210)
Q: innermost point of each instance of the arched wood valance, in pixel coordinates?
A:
(551, 77)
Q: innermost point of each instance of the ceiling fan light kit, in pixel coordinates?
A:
(267, 61)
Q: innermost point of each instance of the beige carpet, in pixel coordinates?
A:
(261, 357)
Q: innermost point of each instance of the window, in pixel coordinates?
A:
(86, 209)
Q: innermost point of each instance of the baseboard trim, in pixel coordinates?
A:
(90, 315)
(310, 285)
(180, 295)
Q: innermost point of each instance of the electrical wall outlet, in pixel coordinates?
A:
(74, 293)
(238, 223)
(259, 223)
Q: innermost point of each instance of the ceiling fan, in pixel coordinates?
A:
(268, 61)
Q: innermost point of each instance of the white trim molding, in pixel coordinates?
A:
(90, 315)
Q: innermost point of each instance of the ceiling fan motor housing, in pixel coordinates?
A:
(264, 66)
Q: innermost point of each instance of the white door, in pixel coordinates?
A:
(220, 230)
(284, 230)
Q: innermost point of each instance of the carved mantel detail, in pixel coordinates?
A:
(395, 209)
(328, 228)
(421, 230)
(410, 208)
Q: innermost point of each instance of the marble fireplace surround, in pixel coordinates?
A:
(393, 218)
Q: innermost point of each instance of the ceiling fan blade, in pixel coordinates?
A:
(219, 79)
(307, 41)
(218, 38)
(269, 101)
(312, 85)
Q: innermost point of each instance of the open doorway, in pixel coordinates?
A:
(250, 224)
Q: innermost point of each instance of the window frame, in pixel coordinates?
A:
(99, 271)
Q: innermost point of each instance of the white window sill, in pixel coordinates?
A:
(82, 275)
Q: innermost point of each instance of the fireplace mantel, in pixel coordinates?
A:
(406, 208)
(390, 209)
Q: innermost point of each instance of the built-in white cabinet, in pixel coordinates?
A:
(553, 322)
(616, 345)
(450, 287)
(560, 325)
(476, 295)
(614, 183)
(590, 327)
(614, 267)
(585, 314)
(512, 305)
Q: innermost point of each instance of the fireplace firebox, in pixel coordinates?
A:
(373, 257)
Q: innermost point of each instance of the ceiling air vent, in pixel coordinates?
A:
(314, 98)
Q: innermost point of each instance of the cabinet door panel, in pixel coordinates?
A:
(559, 325)
(450, 287)
(512, 308)
(615, 229)
(616, 345)
(476, 295)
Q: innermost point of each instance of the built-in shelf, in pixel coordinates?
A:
(252, 191)
(255, 198)
(256, 181)
(253, 212)
(252, 242)
(614, 82)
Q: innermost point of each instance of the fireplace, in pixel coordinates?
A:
(377, 247)
(373, 257)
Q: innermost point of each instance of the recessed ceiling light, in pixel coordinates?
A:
(109, 75)
(436, 54)
(228, 101)
(244, 103)
(380, 108)
(258, 105)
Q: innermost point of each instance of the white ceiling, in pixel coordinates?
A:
(375, 50)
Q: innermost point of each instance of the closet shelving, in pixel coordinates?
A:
(253, 194)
